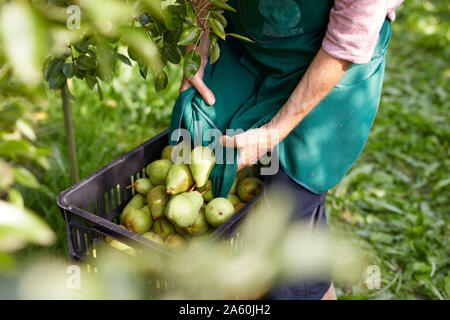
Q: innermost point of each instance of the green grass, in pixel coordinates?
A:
(394, 201)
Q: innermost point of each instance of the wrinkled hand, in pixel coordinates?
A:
(253, 144)
(197, 80)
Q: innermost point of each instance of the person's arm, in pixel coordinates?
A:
(322, 75)
(203, 50)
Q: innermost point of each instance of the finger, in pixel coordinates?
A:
(228, 142)
(204, 91)
(185, 84)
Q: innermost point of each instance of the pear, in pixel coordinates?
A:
(167, 152)
(180, 230)
(236, 202)
(163, 227)
(181, 153)
(139, 220)
(122, 247)
(207, 191)
(202, 162)
(136, 202)
(179, 179)
(248, 188)
(195, 242)
(157, 199)
(175, 242)
(244, 173)
(200, 226)
(153, 237)
(183, 208)
(143, 186)
(218, 210)
(157, 171)
(233, 187)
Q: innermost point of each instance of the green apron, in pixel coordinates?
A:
(252, 81)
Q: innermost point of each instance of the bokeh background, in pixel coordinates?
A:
(394, 202)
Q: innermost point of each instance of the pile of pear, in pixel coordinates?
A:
(174, 204)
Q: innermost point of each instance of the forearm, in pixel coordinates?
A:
(322, 75)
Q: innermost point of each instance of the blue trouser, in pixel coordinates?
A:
(309, 209)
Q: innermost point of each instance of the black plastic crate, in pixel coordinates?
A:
(91, 208)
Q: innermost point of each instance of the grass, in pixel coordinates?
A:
(394, 201)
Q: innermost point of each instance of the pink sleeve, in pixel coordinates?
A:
(354, 26)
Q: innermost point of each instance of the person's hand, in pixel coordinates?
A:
(253, 144)
(197, 80)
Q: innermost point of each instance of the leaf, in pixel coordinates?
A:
(217, 27)
(91, 81)
(171, 15)
(221, 4)
(25, 178)
(171, 53)
(189, 35)
(68, 70)
(192, 63)
(55, 64)
(56, 80)
(99, 91)
(21, 226)
(124, 59)
(238, 36)
(219, 17)
(161, 81)
(214, 52)
(143, 70)
(86, 62)
(6, 176)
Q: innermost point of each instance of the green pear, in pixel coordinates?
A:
(163, 227)
(179, 179)
(233, 187)
(136, 202)
(180, 230)
(200, 226)
(181, 153)
(143, 186)
(236, 202)
(175, 242)
(157, 199)
(122, 247)
(167, 152)
(248, 188)
(153, 237)
(139, 220)
(202, 162)
(218, 210)
(207, 191)
(183, 209)
(157, 171)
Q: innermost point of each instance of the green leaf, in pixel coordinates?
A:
(25, 177)
(223, 5)
(56, 80)
(171, 53)
(68, 70)
(86, 62)
(189, 35)
(214, 52)
(6, 176)
(161, 81)
(100, 91)
(91, 81)
(238, 36)
(217, 27)
(192, 63)
(52, 66)
(143, 70)
(219, 17)
(171, 15)
(124, 59)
